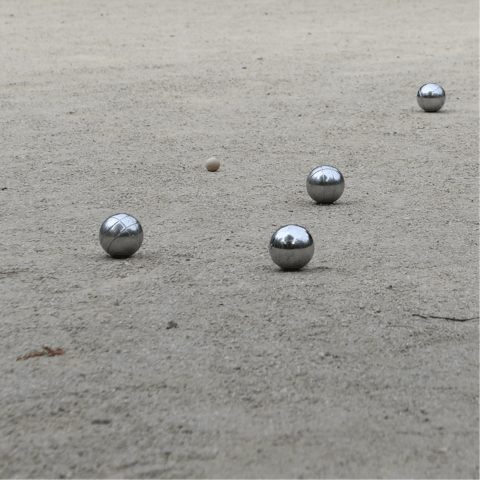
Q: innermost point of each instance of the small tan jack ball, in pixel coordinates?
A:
(212, 164)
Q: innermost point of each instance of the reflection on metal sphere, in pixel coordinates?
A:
(325, 184)
(291, 247)
(431, 97)
(121, 235)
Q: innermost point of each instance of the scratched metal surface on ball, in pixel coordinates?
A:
(121, 235)
(431, 97)
(325, 184)
(291, 247)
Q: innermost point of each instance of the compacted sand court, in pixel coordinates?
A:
(198, 357)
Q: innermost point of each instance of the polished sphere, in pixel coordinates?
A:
(121, 235)
(431, 97)
(291, 247)
(325, 184)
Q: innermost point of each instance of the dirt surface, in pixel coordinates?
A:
(198, 357)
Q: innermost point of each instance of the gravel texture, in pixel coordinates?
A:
(198, 357)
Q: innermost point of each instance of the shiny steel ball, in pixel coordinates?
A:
(121, 235)
(431, 97)
(325, 184)
(291, 247)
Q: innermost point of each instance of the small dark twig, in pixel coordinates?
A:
(46, 351)
(451, 319)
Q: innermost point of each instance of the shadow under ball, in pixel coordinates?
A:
(431, 97)
(325, 184)
(291, 247)
(121, 235)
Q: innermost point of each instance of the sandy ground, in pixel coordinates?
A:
(356, 366)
